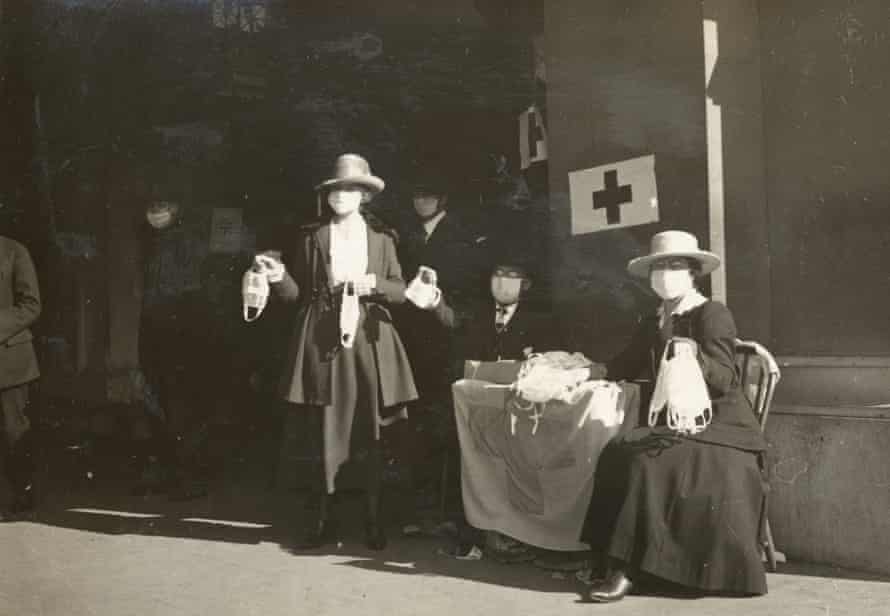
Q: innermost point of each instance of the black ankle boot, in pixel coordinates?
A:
(323, 531)
(24, 501)
(19, 469)
(375, 538)
(321, 534)
(615, 587)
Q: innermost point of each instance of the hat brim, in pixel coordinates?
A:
(370, 182)
(708, 262)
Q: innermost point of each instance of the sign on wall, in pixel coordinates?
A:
(226, 230)
(532, 137)
(620, 194)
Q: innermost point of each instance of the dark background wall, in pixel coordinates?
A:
(735, 89)
(113, 105)
(826, 105)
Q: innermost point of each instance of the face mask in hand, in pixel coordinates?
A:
(671, 284)
(254, 294)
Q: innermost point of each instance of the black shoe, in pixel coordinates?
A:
(375, 538)
(23, 502)
(614, 588)
(321, 534)
(21, 506)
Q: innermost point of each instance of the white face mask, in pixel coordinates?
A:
(254, 294)
(345, 201)
(671, 284)
(426, 206)
(505, 289)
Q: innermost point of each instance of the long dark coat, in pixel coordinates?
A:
(307, 375)
(19, 308)
(451, 251)
(685, 508)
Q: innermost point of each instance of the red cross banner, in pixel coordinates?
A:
(621, 194)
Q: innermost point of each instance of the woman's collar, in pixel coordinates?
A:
(691, 300)
(353, 221)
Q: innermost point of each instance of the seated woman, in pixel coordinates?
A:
(684, 507)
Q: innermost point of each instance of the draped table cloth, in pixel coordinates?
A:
(530, 475)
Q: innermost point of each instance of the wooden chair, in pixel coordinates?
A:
(759, 376)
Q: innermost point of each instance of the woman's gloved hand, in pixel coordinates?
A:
(365, 285)
(273, 268)
(597, 372)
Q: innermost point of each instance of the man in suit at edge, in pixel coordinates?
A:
(19, 308)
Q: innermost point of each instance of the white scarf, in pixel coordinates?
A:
(349, 261)
(691, 300)
(349, 249)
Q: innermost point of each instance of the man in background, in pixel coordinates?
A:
(19, 308)
(437, 239)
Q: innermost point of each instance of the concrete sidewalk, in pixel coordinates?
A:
(95, 549)
(141, 557)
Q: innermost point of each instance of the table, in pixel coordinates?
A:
(533, 483)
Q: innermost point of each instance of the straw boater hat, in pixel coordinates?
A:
(355, 170)
(674, 244)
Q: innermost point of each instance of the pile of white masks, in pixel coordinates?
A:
(254, 294)
(545, 377)
(681, 391)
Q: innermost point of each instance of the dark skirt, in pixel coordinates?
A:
(351, 424)
(685, 511)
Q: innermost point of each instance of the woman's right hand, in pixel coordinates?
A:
(597, 371)
(273, 268)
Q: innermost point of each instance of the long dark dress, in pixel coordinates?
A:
(686, 509)
(355, 387)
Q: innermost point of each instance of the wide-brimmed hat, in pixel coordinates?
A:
(352, 169)
(674, 244)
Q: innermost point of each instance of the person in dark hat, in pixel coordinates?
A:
(19, 308)
(499, 328)
(437, 238)
(504, 328)
(172, 350)
(346, 363)
(438, 242)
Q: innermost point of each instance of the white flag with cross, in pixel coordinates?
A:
(620, 194)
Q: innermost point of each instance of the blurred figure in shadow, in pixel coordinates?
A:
(169, 350)
(19, 308)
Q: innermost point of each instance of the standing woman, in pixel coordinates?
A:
(345, 360)
(681, 506)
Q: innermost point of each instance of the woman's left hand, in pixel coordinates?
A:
(685, 346)
(365, 285)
